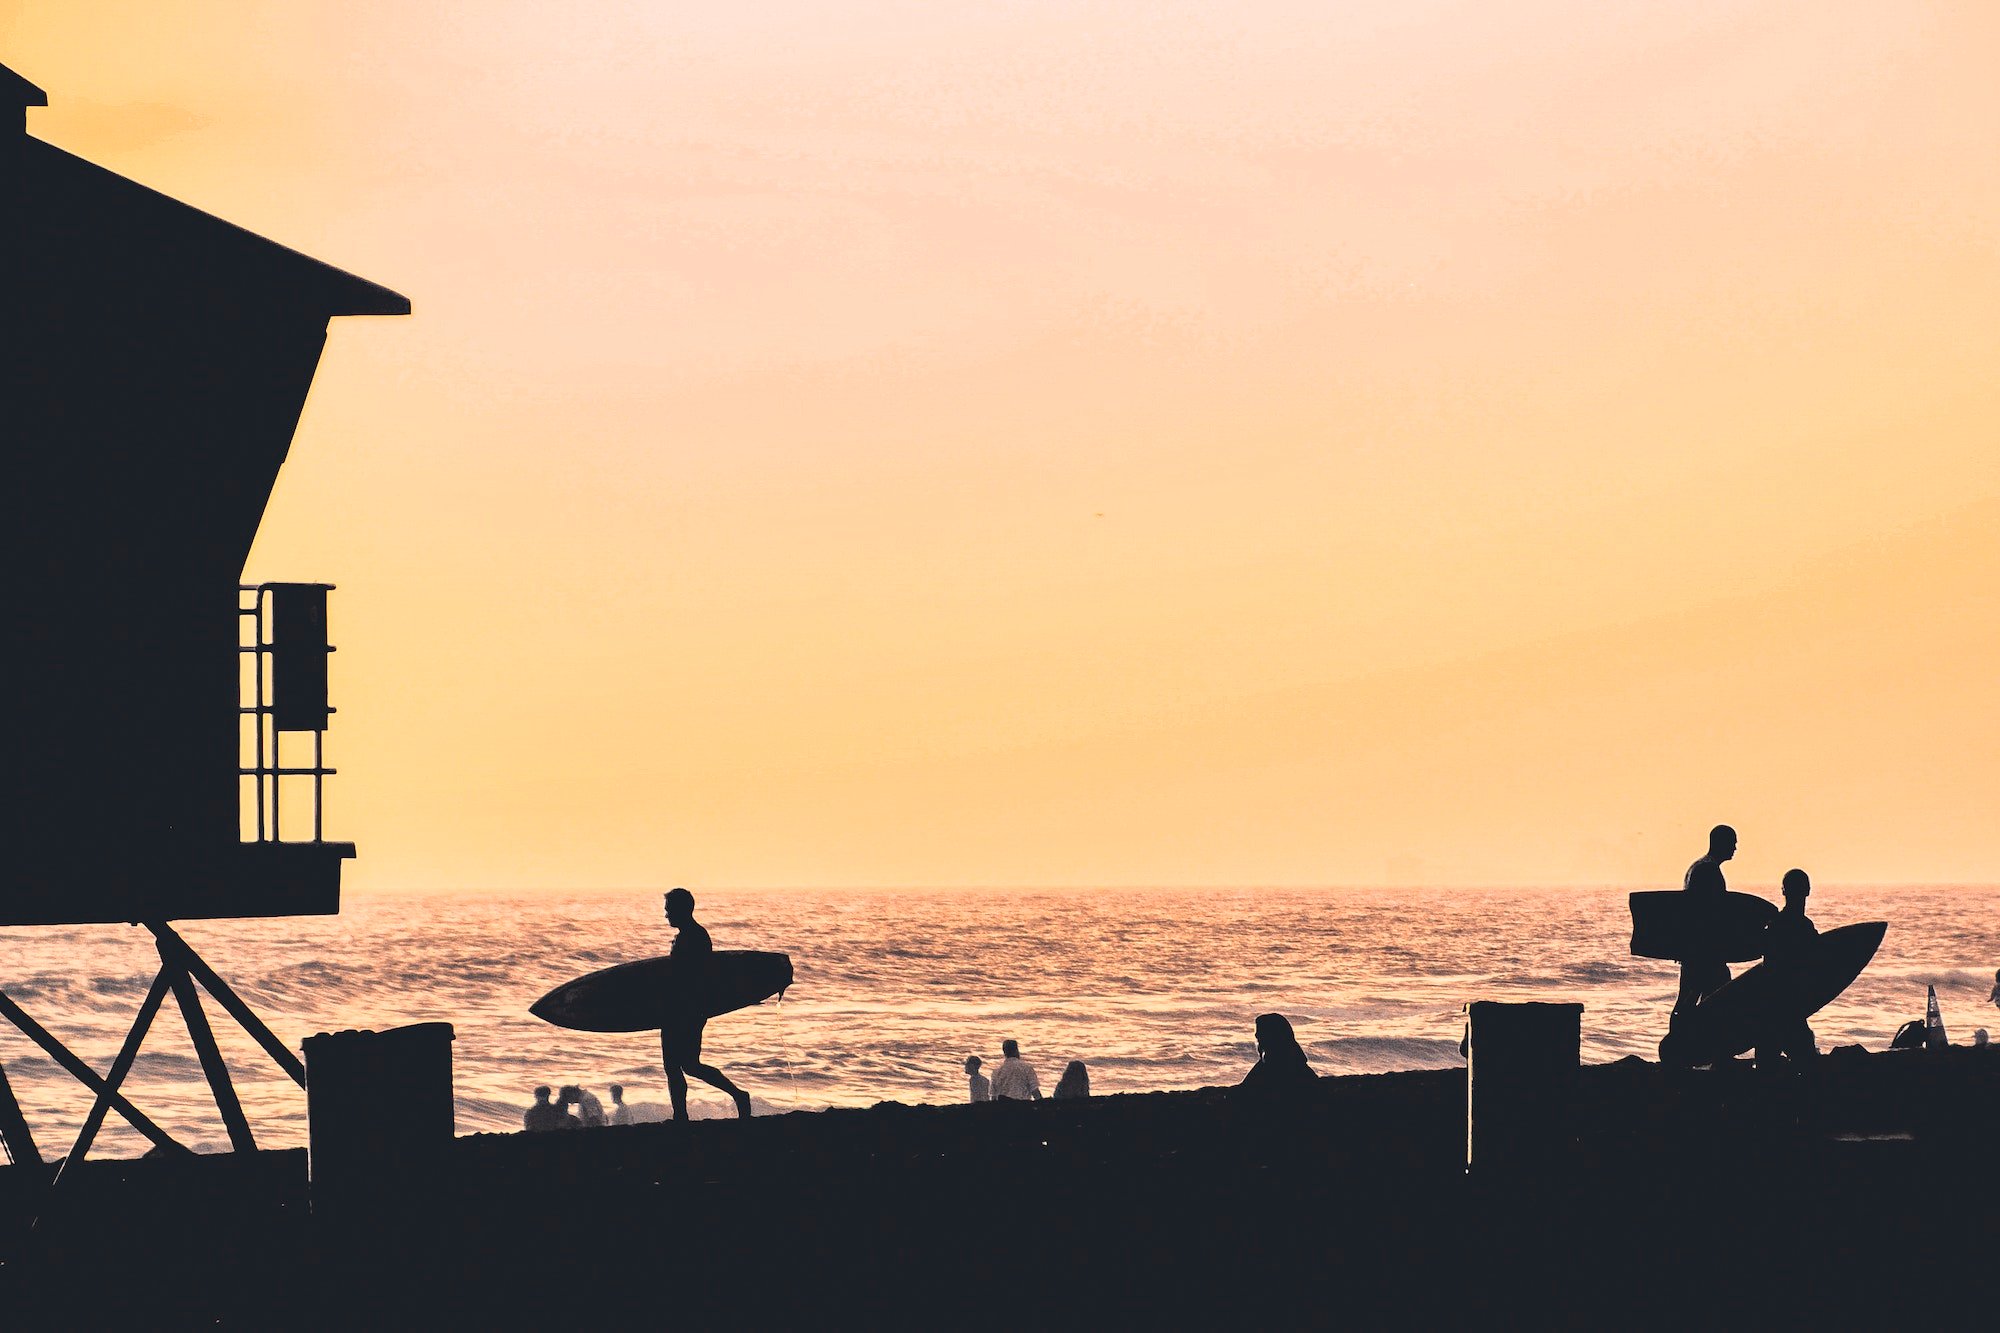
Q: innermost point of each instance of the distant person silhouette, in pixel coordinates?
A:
(633, 1113)
(590, 1111)
(1979, 1037)
(1075, 1082)
(1702, 975)
(1282, 1068)
(1994, 998)
(543, 1116)
(1788, 941)
(680, 1033)
(978, 1087)
(1014, 1080)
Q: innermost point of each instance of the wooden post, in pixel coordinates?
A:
(14, 1132)
(119, 1069)
(230, 1001)
(212, 1065)
(84, 1074)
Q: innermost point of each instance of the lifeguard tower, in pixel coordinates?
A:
(164, 728)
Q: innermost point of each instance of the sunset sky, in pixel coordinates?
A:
(1079, 443)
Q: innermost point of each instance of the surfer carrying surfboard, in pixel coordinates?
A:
(683, 1021)
(1788, 943)
(1704, 973)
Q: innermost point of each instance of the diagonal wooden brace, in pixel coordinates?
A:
(119, 1069)
(85, 1075)
(184, 953)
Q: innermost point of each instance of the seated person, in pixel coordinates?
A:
(1075, 1082)
(978, 1087)
(1281, 1067)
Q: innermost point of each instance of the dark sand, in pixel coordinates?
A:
(1865, 1192)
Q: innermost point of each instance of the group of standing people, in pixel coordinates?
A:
(1014, 1080)
(589, 1112)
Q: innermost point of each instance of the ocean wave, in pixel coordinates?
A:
(1382, 1054)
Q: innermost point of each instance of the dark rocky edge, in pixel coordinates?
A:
(1861, 1191)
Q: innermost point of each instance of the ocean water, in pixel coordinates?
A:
(894, 988)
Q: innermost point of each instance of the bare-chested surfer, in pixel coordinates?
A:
(680, 1034)
(1701, 976)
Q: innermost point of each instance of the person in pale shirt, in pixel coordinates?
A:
(1015, 1079)
(978, 1087)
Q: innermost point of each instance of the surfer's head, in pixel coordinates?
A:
(1796, 884)
(1722, 842)
(680, 906)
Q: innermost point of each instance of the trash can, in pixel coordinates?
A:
(381, 1118)
(1520, 1081)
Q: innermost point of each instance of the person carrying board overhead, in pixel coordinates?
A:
(1702, 977)
(682, 1024)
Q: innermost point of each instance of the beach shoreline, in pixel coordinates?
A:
(1720, 1194)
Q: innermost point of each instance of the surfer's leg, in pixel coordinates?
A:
(715, 1078)
(1699, 980)
(672, 1056)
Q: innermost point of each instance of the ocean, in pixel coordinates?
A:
(1152, 989)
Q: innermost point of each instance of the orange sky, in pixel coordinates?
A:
(1085, 443)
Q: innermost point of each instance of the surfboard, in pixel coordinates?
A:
(1729, 1022)
(1675, 924)
(631, 996)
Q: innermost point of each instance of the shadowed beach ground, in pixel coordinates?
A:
(1719, 1196)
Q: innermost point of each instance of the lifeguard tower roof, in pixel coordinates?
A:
(17, 91)
(157, 359)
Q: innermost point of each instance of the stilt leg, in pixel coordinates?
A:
(212, 1065)
(14, 1131)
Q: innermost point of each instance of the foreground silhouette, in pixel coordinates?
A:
(683, 1021)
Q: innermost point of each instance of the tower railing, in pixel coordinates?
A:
(282, 629)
